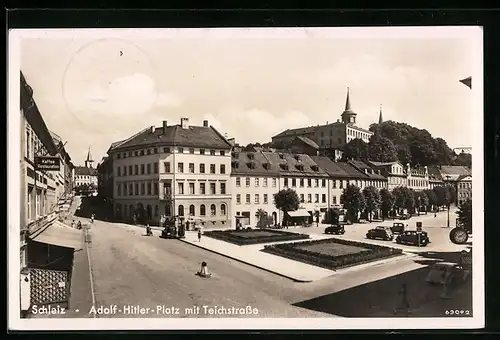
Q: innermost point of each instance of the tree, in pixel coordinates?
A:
(422, 200)
(353, 201)
(332, 216)
(404, 154)
(286, 200)
(431, 198)
(465, 215)
(263, 218)
(356, 149)
(442, 197)
(410, 201)
(399, 198)
(452, 195)
(381, 149)
(372, 200)
(386, 202)
(464, 159)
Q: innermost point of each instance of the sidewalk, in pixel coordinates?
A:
(252, 255)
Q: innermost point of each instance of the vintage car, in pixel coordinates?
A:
(383, 233)
(397, 227)
(446, 273)
(405, 217)
(414, 238)
(337, 229)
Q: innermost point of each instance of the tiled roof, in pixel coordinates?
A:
(84, 171)
(295, 164)
(308, 141)
(330, 167)
(382, 163)
(298, 131)
(463, 176)
(252, 163)
(364, 167)
(351, 171)
(455, 170)
(192, 136)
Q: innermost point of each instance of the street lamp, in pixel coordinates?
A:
(448, 204)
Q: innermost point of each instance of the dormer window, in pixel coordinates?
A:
(235, 155)
(282, 156)
(284, 166)
(251, 165)
(250, 156)
(297, 158)
(314, 168)
(300, 167)
(234, 165)
(266, 166)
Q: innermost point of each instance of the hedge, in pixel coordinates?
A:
(290, 250)
(229, 236)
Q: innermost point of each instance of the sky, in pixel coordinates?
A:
(100, 87)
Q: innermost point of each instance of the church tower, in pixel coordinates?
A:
(89, 161)
(380, 119)
(348, 116)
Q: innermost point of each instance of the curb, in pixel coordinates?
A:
(250, 264)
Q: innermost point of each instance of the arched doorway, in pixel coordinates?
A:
(275, 218)
(192, 211)
(202, 210)
(180, 210)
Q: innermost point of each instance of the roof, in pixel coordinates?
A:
(330, 167)
(366, 169)
(297, 131)
(252, 163)
(295, 164)
(378, 164)
(308, 141)
(351, 171)
(454, 170)
(84, 171)
(461, 177)
(175, 135)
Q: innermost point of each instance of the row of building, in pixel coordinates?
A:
(196, 172)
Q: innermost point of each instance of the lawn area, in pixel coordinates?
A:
(254, 236)
(332, 253)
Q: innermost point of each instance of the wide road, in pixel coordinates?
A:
(132, 269)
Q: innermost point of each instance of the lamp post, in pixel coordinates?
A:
(448, 204)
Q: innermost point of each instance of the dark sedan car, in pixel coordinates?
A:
(397, 228)
(413, 238)
(335, 229)
(380, 233)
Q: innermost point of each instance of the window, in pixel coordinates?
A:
(247, 181)
(213, 210)
(212, 168)
(223, 210)
(202, 151)
(212, 188)
(155, 189)
(309, 198)
(316, 183)
(119, 156)
(142, 152)
(148, 168)
(222, 168)
(119, 189)
(238, 199)
(155, 150)
(148, 152)
(334, 184)
(124, 170)
(202, 189)
(118, 171)
(130, 153)
(238, 181)
(136, 169)
(166, 166)
(148, 187)
(180, 167)
(130, 170)
(130, 189)
(202, 168)
(265, 199)
(180, 150)
(301, 198)
(191, 168)
(143, 189)
(191, 150)
(136, 189)
(257, 182)
(309, 183)
(285, 182)
(156, 209)
(192, 210)
(212, 152)
(191, 188)
(257, 199)
(341, 186)
(301, 182)
(223, 188)
(166, 150)
(316, 198)
(247, 199)
(155, 167)
(202, 210)
(264, 182)
(334, 199)
(294, 182)
(180, 187)
(181, 210)
(323, 183)
(274, 182)
(222, 153)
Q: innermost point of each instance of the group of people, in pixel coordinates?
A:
(78, 225)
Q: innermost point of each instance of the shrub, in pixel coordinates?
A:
(232, 236)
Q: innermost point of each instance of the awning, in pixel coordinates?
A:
(299, 213)
(59, 234)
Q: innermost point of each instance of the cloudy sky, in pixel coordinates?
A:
(96, 88)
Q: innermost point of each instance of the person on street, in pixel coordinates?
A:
(73, 224)
(187, 225)
(199, 235)
(79, 225)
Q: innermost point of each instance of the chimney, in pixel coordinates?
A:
(164, 127)
(231, 141)
(205, 123)
(152, 129)
(185, 123)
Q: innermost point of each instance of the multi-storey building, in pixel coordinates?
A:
(329, 136)
(180, 170)
(86, 175)
(64, 178)
(394, 172)
(460, 177)
(254, 181)
(417, 178)
(464, 188)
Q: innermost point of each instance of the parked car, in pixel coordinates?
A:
(397, 227)
(405, 217)
(383, 233)
(337, 229)
(412, 237)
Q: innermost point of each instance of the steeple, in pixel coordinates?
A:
(348, 116)
(89, 161)
(380, 119)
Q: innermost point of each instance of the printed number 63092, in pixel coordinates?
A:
(457, 312)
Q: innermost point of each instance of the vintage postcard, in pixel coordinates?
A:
(291, 178)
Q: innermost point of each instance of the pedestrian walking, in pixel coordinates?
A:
(187, 225)
(73, 224)
(435, 215)
(199, 235)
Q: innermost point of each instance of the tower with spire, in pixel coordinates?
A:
(380, 119)
(348, 116)
(89, 161)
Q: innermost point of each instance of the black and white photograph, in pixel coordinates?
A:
(246, 178)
